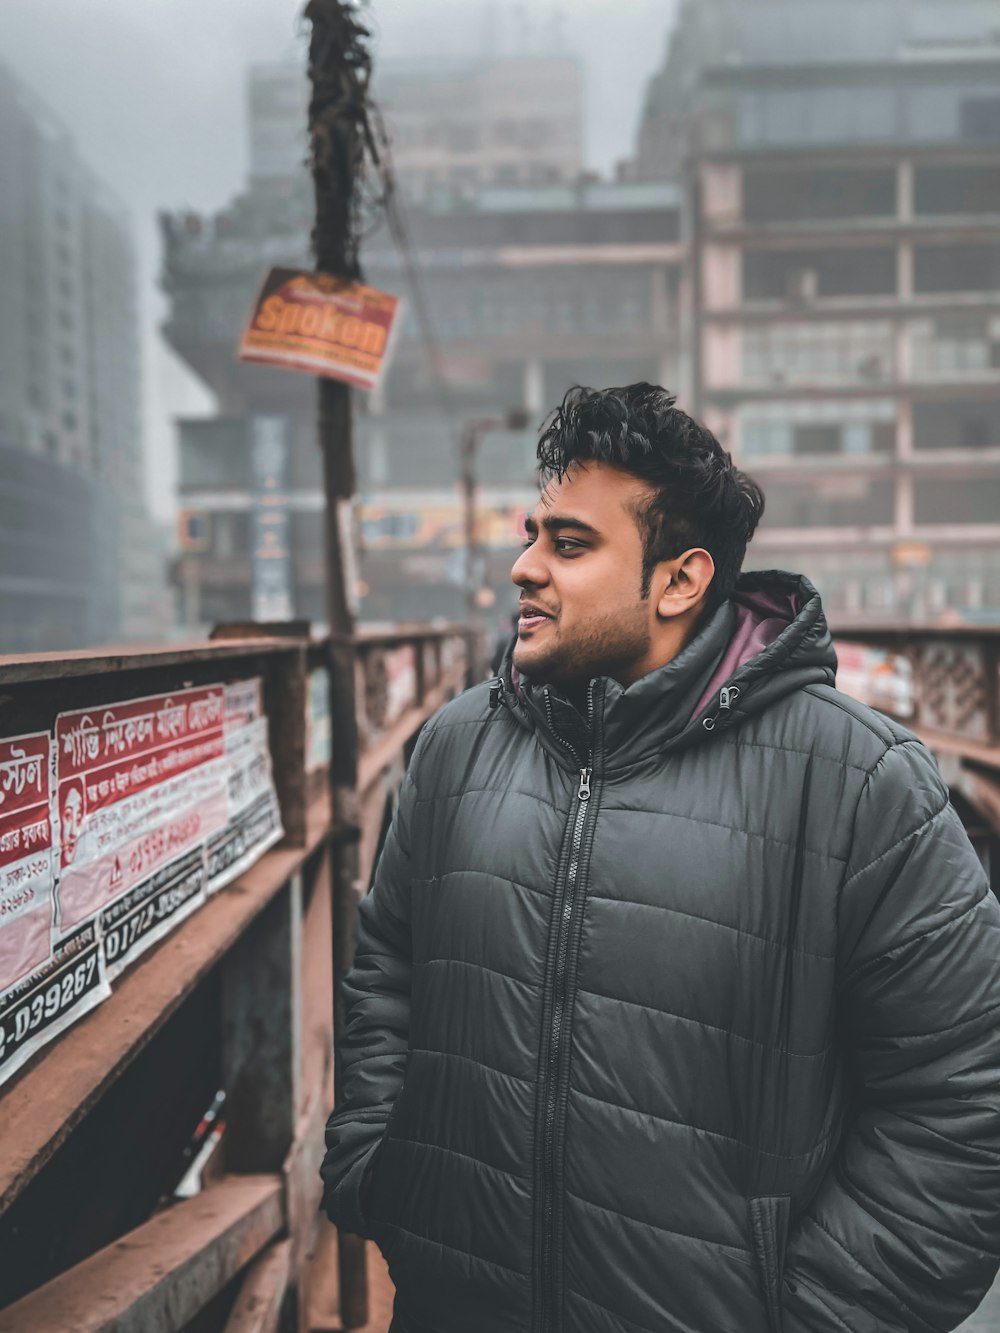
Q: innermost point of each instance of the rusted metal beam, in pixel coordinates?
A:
(372, 818)
(52, 1095)
(316, 978)
(303, 1186)
(158, 1277)
(23, 668)
(285, 701)
(259, 1305)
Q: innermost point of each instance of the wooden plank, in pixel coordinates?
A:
(50, 1097)
(21, 668)
(258, 1306)
(156, 1278)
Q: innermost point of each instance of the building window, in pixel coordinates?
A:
(956, 268)
(965, 343)
(979, 118)
(798, 276)
(956, 499)
(829, 502)
(811, 428)
(785, 195)
(956, 189)
(838, 351)
(957, 425)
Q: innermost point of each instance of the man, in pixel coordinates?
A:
(676, 998)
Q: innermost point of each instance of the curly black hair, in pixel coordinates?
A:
(699, 497)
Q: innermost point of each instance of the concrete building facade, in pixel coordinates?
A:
(69, 396)
(843, 212)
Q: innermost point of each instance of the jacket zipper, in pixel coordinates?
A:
(727, 697)
(555, 1036)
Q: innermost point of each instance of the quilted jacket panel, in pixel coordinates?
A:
(712, 1051)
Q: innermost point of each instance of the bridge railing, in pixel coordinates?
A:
(169, 1041)
(943, 684)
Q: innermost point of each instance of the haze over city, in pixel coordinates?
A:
(155, 96)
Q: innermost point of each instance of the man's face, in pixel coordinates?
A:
(582, 609)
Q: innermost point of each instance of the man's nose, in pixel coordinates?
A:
(529, 568)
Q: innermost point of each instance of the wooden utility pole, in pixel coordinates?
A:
(340, 69)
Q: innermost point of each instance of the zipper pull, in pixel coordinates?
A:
(584, 792)
(496, 692)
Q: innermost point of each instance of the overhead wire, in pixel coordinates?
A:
(394, 212)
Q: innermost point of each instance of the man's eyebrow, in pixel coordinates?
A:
(556, 522)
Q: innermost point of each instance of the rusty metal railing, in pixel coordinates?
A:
(98, 1126)
(943, 684)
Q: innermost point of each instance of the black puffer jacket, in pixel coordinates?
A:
(678, 1019)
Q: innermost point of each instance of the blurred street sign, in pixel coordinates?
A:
(322, 325)
(911, 555)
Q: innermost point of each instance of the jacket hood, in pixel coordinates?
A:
(768, 641)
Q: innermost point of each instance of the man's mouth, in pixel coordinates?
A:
(531, 617)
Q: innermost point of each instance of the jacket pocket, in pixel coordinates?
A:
(769, 1228)
(379, 1190)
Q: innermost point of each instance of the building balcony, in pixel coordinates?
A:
(735, 228)
(983, 384)
(956, 462)
(881, 537)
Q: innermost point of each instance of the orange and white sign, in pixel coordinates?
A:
(322, 325)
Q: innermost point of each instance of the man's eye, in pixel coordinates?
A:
(565, 546)
(529, 541)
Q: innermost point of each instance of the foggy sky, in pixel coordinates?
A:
(153, 92)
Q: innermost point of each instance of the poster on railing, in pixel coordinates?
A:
(50, 999)
(26, 871)
(140, 788)
(254, 818)
(42, 990)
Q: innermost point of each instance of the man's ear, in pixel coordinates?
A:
(683, 582)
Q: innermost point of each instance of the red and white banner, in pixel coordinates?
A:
(138, 786)
(26, 870)
(43, 988)
(254, 819)
(112, 831)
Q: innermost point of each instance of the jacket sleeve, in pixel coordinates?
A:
(375, 1041)
(903, 1236)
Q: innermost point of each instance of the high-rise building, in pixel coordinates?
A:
(76, 562)
(841, 161)
(455, 127)
(530, 287)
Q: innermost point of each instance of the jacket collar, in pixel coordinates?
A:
(768, 641)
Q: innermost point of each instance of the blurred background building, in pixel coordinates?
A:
(536, 277)
(79, 562)
(841, 165)
(804, 245)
